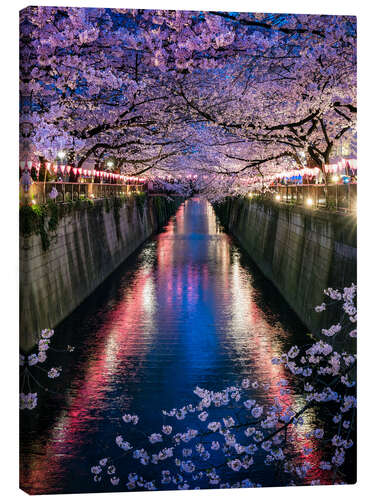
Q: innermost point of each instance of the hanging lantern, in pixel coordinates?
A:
(62, 168)
(30, 165)
(55, 168)
(68, 169)
(353, 163)
(75, 171)
(79, 170)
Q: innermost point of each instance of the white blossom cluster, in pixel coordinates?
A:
(30, 367)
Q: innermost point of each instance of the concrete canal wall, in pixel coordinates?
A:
(302, 251)
(67, 253)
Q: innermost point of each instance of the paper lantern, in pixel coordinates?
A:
(55, 168)
(68, 169)
(62, 168)
(353, 163)
(79, 170)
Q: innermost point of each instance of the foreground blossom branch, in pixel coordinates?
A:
(230, 432)
(32, 364)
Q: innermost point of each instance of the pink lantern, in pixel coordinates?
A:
(55, 168)
(75, 171)
(353, 163)
(79, 170)
(68, 169)
(62, 168)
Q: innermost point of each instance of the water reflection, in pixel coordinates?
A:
(187, 309)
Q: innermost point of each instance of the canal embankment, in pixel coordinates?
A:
(68, 249)
(302, 251)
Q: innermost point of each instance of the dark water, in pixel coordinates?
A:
(188, 308)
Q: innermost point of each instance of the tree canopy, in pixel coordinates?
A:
(221, 96)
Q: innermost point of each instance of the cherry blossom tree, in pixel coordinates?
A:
(244, 93)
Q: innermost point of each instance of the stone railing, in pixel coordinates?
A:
(39, 192)
(339, 197)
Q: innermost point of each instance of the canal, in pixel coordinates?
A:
(187, 309)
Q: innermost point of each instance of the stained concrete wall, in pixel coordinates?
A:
(302, 251)
(86, 248)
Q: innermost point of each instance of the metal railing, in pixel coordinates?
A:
(39, 192)
(339, 197)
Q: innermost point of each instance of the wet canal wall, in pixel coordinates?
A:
(302, 251)
(68, 250)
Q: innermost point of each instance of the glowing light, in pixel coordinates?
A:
(277, 197)
(110, 163)
(335, 178)
(61, 155)
(309, 202)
